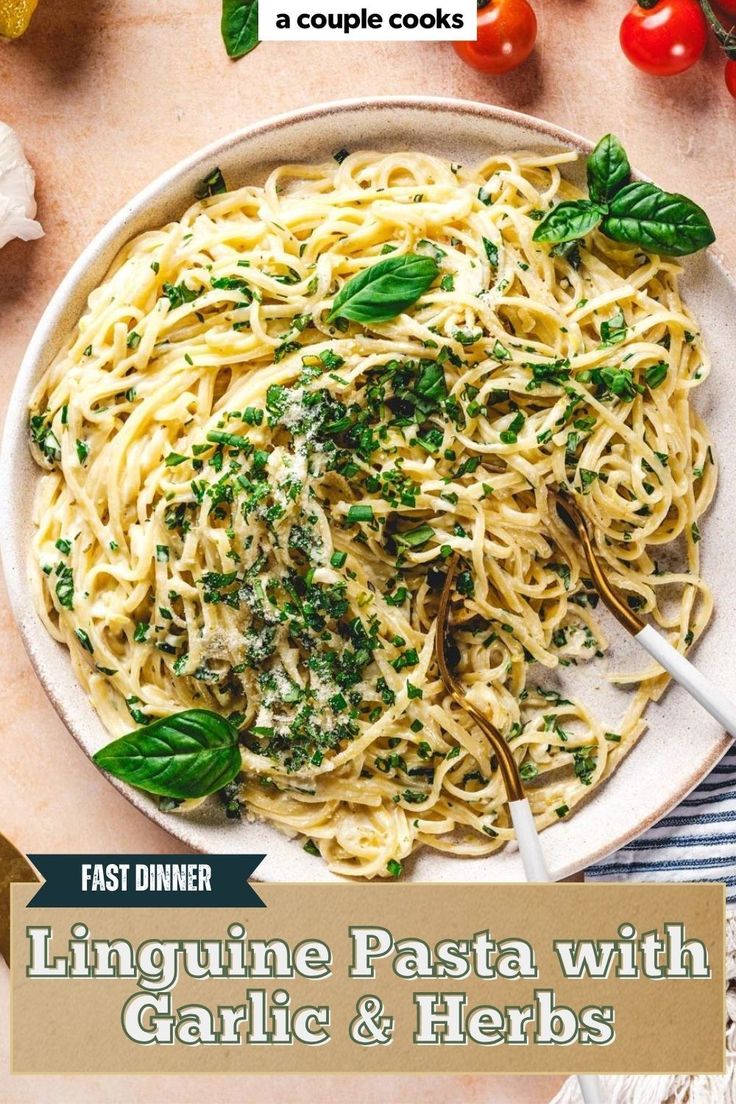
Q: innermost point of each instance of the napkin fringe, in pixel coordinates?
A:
(677, 1089)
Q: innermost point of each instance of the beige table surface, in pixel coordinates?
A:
(105, 95)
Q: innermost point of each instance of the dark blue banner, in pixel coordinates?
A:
(146, 881)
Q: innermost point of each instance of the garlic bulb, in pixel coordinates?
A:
(17, 183)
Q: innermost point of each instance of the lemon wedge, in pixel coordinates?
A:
(15, 15)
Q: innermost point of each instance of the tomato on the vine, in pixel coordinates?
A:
(507, 32)
(730, 76)
(725, 36)
(664, 37)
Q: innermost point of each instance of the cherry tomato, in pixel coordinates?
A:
(507, 31)
(730, 75)
(666, 38)
(728, 6)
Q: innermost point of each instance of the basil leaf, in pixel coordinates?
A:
(386, 289)
(569, 251)
(414, 538)
(65, 587)
(614, 330)
(608, 169)
(569, 221)
(239, 26)
(656, 374)
(189, 754)
(664, 222)
(491, 252)
(431, 383)
(212, 184)
(617, 381)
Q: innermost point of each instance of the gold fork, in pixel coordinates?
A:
(535, 867)
(522, 818)
(712, 699)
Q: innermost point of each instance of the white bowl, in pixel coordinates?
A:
(683, 742)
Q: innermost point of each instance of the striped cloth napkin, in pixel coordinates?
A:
(695, 843)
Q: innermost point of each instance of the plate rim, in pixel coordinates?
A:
(13, 434)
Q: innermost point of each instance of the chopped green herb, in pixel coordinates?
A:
(84, 640)
(491, 252)
(179, 294)
(409, 658)
(614, 331)
(65, 586)
(213, 184)
(359, 513)
(415, 538)
(585, 760)
(656, 374)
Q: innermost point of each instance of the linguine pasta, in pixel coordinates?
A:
(247, 507)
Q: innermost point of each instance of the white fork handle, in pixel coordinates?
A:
(527, 837)
(536, 870)
(712, 699)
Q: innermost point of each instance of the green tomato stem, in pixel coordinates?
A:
(727, 39)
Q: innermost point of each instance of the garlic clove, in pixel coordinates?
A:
(17, 185)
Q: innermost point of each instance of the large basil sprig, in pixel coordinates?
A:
(189, 754)
(660, 221)
(608, 169)
(571, 221)
(636, 213)
(239, 26)
(386, 289)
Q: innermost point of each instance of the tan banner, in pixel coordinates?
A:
(377, 979)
